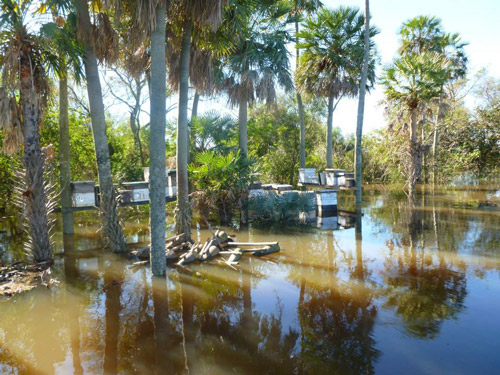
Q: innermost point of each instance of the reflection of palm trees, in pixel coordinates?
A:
(161, 322)
(423, 288)
(113, 290)
(71, 274)
(337, 322)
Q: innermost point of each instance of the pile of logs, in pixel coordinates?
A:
(182, 250)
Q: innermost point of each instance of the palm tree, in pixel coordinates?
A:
(143, 25)
(62, 34)
(410, 81)
(101, 43)
(24, 65)
(358, 165)
(190, 20)
(300, 7)
(158, 177)
(258, 63)
(425, 34)
(330, 65)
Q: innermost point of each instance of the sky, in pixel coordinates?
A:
(478, 23)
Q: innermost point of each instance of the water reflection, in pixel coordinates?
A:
(333, 301)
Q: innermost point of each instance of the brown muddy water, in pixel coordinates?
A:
(412, 291)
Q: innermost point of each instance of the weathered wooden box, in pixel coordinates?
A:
(326, 202)
(344, 177)
(333, 176)
(135, 192)
(350, 182)
(322, 178)
(308, 176)
(83, 193)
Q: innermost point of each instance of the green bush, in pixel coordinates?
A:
(220, 183)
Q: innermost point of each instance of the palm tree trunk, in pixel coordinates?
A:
(358, 161)
(194, 110)
(183, 211)
(329, 135)
(299, 101)
(243, 145)
(242, 122)
(134, 121)
(435, 154)
(35, 195)
(64, 156)
(194, 114)
(108, 206)
(435, 150)
(412, 178)
(158, 178)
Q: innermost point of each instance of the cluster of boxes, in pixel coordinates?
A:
(86, 193)
(330, 177)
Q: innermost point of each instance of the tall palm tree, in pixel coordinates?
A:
(142, 25)
(190, 20)
(426, 34)
(101, 42)
(410, 81)
(24, 66)
(301, 7)
(361, 109)
(258, 63)
(332, 59)
(157, 147)
(62, 34)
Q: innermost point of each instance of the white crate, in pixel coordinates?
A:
(308, 176)
(83, 199)
(140, 195)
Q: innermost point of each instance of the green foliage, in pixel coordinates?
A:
(213, 131)
(259, 61)
(278, 208)
(220, 183)
(332, 44)
(274, 140)
(414, 79)
(125, 158)
(82, 156)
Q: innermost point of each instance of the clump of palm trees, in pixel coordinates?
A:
(429, 59)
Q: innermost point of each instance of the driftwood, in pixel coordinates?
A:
(236, 244)
(185, 251)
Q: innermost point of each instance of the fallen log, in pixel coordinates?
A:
(267, 250)
(237, 244)
(187, 258)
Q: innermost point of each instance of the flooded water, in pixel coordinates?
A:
(405, 291)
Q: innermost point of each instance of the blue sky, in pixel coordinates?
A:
(478, 22)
